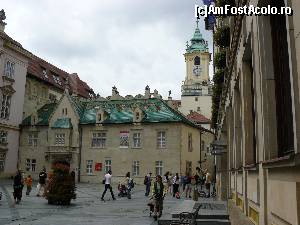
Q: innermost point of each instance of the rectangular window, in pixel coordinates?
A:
(2, 162)
(33, 139)
(3, 137)
(136, 140)
(124, 139)
(89, 166)
(60, 139)
(33, 165)
(161, 139)
(196, 99)
(107, 165)
(190, 142)
(136, 168)
(5, 106)
(158, 167)
(99, 140)
(9, 69)
(30, 165)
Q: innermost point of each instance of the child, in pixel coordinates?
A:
(28, 182)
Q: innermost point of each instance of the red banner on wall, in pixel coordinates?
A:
(98, 166)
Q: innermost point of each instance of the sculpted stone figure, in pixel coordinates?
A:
(2, 15)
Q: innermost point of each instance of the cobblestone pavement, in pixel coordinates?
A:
(87, 209)
(236, 215)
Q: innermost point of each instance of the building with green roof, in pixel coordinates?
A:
(138, 134)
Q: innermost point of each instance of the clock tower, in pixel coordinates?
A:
(196, 89)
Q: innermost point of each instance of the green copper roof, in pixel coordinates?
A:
(121, 111)
(197, 42)
(62, 123)
(118, 112)
(43, 115)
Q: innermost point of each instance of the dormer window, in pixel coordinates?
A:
(99, 117)
(64, 111)
(44, 73)
(9, 69)
(56, 79)
(137, 115)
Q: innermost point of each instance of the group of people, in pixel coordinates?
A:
(188, 184)
(20, 181)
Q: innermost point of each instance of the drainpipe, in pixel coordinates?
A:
(79, 158)
(200, 162)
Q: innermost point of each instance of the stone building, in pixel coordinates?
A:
(46, 83)
(13, 66)
(259, 116)
(196, 89)
(138, 134)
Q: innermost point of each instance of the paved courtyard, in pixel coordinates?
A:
(87, 209)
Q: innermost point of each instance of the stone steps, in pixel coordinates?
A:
(204, 212)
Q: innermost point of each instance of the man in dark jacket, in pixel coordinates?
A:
(18, 187)
(42, 182)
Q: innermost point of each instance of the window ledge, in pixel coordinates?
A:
(136, 147)
(253, 167)
(285, 161)
(98, 148)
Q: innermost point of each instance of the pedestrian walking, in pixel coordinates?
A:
(107, 182)
(18, 187)
(176, 185)
(167, 181)
(207, 183)
(147, 182)
(194, 188)
(28, 182)
(188, 187)
(42, 183)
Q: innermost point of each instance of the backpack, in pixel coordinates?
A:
(145, 180)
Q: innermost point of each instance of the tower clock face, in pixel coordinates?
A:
(197, 70)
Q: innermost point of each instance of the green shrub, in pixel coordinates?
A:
(222, 37)
(220, 59)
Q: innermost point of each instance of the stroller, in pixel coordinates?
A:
(124, 191)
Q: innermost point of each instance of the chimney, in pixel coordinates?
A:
(2, 23)
(147, 92)
(114, 91)
(155, 94)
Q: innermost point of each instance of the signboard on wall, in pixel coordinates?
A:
(98, 166)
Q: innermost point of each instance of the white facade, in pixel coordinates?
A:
(13, 69)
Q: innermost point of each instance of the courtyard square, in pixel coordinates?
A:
(87, 209)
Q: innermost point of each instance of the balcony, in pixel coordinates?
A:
(61, 149)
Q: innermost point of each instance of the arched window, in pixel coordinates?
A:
(197, 60)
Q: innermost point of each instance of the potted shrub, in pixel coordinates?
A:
(61, 187)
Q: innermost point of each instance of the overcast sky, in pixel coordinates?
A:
(127, 43)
